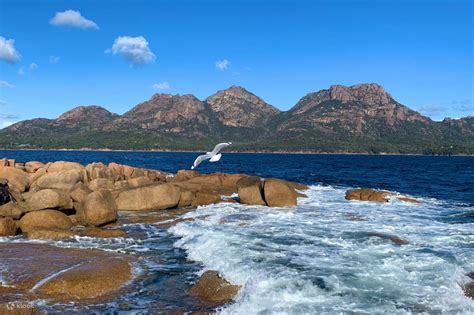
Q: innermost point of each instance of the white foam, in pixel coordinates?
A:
(318, 258)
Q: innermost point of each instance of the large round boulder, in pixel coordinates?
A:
(63, 165)
(65, 180)
(44, 219)
(160, 196)
(250, 190)
(279, 193)
(100, 208)
(16, 178)
(49, 199)
(7, 227)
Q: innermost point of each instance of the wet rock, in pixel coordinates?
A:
(212, 287)
(100, 208)
(63, 180)
(279, 194)
(16, 178)
(63, 274)
(156, 196)
(49, 234)
(44, 219)
(12, 210)
(469, 287)
(203, 198)
(102, 233)
(7, 227)
(49, 199)
(407, 199)
(395, 239)
(368, 195)
(250, 189)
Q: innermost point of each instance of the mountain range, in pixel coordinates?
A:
(362, 118)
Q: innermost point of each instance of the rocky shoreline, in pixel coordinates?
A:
(61, 200)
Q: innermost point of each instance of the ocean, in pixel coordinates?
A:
(316, 258)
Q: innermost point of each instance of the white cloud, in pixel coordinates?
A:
(431, 110)
(33, 66)
(134, 49)
(5, 84)
(161, 86)
(74, 19)
(222, 64)
(54, 59)
(8, 52)
(21, 71)
(3, 103)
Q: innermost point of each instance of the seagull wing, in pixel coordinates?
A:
(201, 158)
(219, 147)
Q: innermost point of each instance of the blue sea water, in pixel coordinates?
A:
(319, 257)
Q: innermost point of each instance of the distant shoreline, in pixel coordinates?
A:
(241, 152)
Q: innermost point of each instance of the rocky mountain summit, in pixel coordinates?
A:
(237, 107)
(359, 118)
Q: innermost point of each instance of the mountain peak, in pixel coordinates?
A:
(237, 107)
(81, 112)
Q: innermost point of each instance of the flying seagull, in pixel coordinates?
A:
(214, 155)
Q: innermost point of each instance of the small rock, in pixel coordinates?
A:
(395, 239)
(7, 227)
(368, 195)
(212, 287)
(412, 200)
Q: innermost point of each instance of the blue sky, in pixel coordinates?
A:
(55, 55)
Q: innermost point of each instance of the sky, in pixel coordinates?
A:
(56, 55)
